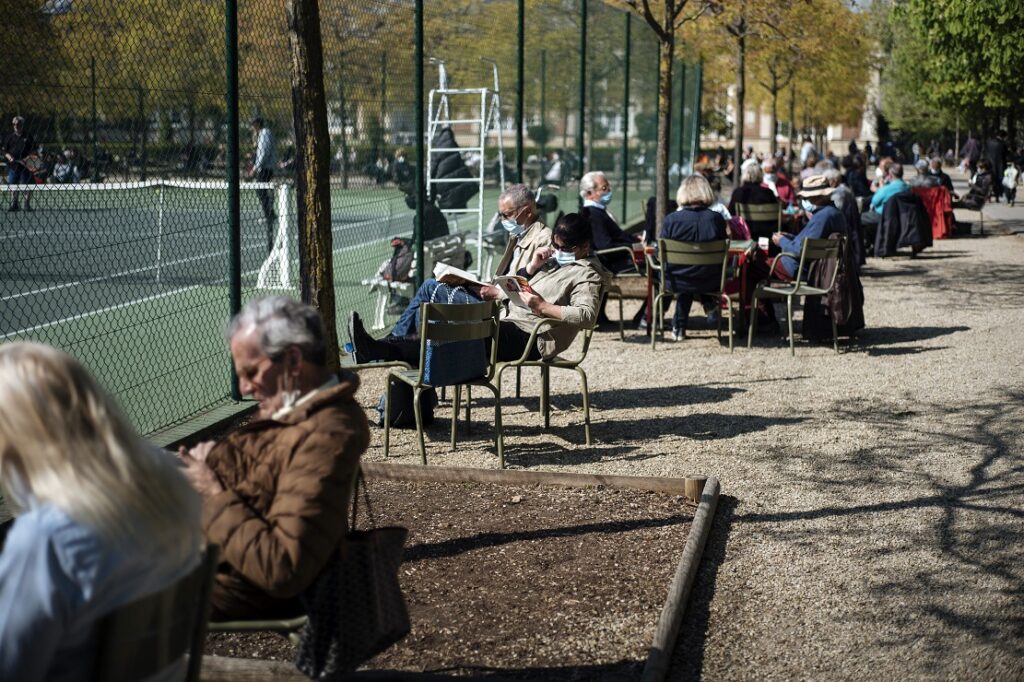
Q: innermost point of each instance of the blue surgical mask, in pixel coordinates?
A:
(606, 198)
(512, 227)
(564, 257)
(808, 206)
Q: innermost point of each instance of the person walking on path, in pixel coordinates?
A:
(997, 153)
(263, 171)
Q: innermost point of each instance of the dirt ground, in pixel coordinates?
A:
(527, 582)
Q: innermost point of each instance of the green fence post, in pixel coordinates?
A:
(698, 94)
(625, 117)
(95, 155)
(421, 148)
(520, 87)
(234, 208)
(583, 91)
(682, 115)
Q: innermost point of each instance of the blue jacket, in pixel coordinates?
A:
(824, 222)
(883, 194)
(693, 224)
(57, 579)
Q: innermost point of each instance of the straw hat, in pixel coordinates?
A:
(815, 186)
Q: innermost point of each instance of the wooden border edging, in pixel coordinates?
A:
(432, 474)
(659, 657)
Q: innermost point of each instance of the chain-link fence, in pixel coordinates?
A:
(119, 249)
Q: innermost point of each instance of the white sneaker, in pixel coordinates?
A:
(678, 335)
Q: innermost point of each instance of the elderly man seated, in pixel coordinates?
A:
(935, 168)
(815, 198)
(597, 194)
(923, 177)
(527, 234)
(276, 491)
(754, 191)
(776, 181)
(566, 287)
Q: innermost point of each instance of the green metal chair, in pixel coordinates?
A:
(811, 250)
(761, 213)
(613, 290)
(671, 252)
(149, 635)
(446, 322)
(545, 372)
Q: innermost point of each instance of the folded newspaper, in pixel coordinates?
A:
(449, 274)
(509, 285)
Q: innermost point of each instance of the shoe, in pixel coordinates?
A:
(678, 335)
(365, 348)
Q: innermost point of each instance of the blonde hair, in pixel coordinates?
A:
(695, 189)
(63, 441)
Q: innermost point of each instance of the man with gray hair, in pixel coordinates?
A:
(596, 193)
(276, 491)
(517, 210)
(923, 177)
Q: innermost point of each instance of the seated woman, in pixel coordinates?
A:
(694, 221)
(980, 188)
(753, 191)
(567, 287)
(102, 518)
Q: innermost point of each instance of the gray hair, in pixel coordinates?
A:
(589, 181)
(18, 119)
(768, 165)
(281, 323)
(751, 172)
(823, 165)
(832, 176)
(896, 170)
(695, 190)
(921, 166)
(519, 195)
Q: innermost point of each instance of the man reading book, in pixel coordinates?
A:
(518, 212)
(564, 287)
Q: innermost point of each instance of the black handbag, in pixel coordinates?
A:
(355, 606)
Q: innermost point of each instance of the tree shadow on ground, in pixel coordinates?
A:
(662, 396)
(705, 426)
(911, 350)
(886, 274)
(977, 530)
(688, 657)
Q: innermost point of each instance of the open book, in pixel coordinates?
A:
(451, 275)
(511, 285)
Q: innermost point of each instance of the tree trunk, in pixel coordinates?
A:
(741, 92)
(312, 163)
(792, 126)
(665, 54)
(343, 113)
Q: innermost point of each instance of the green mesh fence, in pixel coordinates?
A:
(123, 259)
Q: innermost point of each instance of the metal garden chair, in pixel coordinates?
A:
(761, 214)
(149, 635)
(811, 250)
(675, 253)
(448, 323)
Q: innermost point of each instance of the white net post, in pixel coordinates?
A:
(275, 273)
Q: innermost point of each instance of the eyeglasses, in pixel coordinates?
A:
(509, 215)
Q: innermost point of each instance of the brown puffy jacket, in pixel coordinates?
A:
(284, 509)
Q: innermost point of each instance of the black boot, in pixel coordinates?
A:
(365, 348)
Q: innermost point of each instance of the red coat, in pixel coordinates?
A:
(939, 206)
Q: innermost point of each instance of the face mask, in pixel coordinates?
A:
(512, 227)
(606, 198)
(808, 206)
(565, 257)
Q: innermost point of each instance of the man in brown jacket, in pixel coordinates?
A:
(276, 491)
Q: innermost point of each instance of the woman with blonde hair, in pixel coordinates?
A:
(102, 518)
(693, 221)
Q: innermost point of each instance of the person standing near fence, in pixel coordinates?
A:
(263, 171)
(17, 146)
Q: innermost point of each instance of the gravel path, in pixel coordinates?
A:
(872, 517)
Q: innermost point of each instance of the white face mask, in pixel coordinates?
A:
(808, 206)
(512, 227)
(564, 257)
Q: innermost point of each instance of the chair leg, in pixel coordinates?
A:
(656, 314)
(469, 401)
(545, 394)
(586, 404)
(387, 415)
(455, 411)
(419, 422)
(789, 321)
(519, 381)
(752, 324)
(835, 336)
(729, 306)
(499, 433)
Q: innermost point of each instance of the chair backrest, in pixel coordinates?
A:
(147, 636)
(672, 252)
(761, 213)
(817, 249)
(453, 322)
